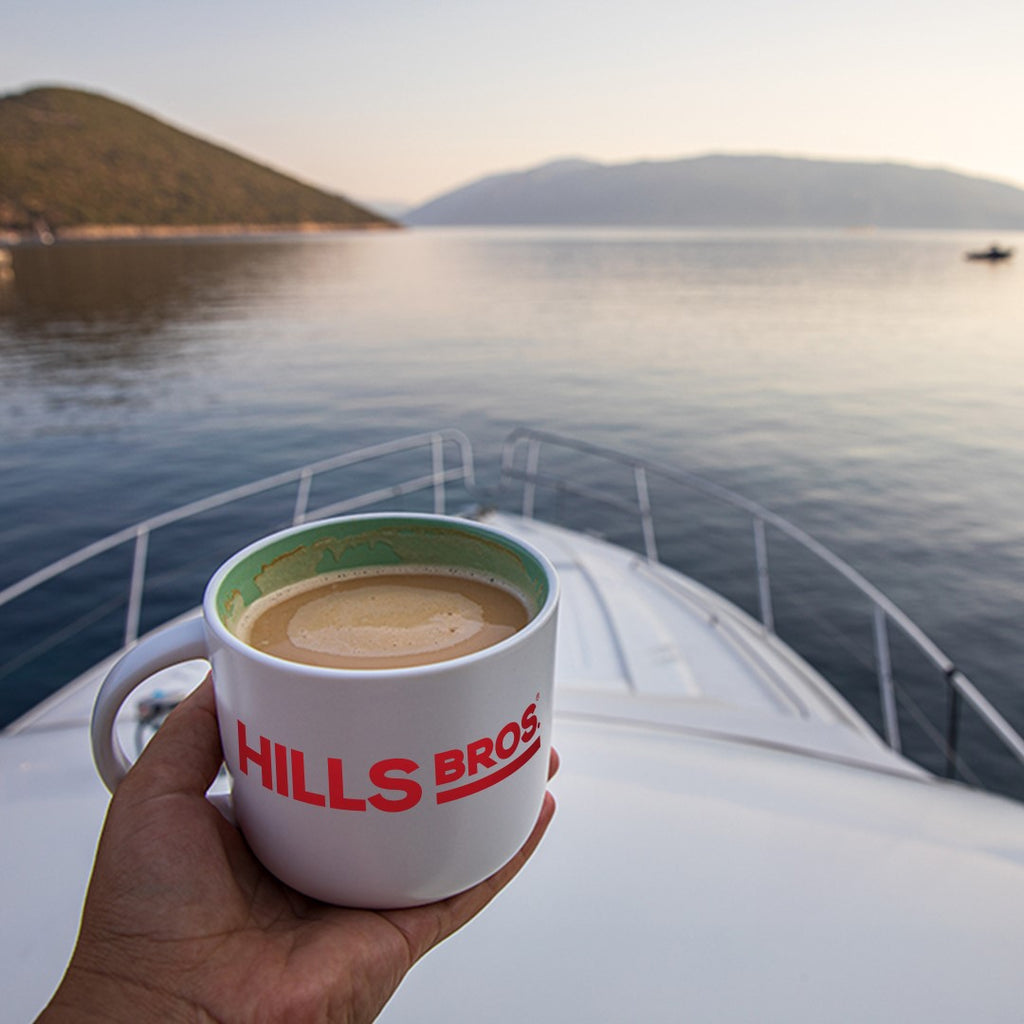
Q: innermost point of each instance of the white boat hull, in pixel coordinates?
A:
(732, 842)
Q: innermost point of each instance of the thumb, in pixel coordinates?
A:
(185, 754)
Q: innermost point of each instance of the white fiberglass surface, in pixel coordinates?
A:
(685, 879)
(737, 882)
(712, 855)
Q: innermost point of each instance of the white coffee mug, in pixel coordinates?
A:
(370, 787)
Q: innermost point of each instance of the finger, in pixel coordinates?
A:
(185, 754)
(490, 887)
(553, 762)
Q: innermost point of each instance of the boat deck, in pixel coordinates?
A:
(639, 642)
(725, 822)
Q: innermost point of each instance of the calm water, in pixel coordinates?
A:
(870, 387)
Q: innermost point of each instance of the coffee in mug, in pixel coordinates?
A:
(383, 618)
(405, 775)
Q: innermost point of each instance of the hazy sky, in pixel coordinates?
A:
(401, 100)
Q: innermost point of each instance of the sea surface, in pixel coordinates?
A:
(868, 386)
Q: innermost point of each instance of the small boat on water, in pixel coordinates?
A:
(993, 254)
(734, 842)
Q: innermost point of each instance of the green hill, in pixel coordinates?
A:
(73, 160)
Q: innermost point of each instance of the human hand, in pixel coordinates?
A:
(181, 922)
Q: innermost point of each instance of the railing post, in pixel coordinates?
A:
(134, 614)
(764, 581)
(643, 500)
(302, 497)
(952, 726)
(437, 460)
(530, 483)
(887, 692)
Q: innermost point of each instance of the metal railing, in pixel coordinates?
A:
(450, 457)
(521, 461)
(436, 478)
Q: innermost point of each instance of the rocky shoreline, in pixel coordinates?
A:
(121, 232)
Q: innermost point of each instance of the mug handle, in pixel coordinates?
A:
(183, 641)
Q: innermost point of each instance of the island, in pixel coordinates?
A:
(79, 165)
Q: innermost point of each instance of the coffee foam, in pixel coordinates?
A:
(418, 620)
(422, 621)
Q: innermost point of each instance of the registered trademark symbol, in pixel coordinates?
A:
(537, 697)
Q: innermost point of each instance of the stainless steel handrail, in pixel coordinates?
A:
(884, 610)
(961, 689)
(439, 475)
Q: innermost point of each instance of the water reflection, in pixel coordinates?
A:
(98, 290)
(97, 326)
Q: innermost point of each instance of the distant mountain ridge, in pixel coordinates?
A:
(74, 162)
(730, 191)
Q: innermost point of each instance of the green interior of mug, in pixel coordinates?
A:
(355, 543)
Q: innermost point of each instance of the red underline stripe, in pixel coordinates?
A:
(489, 780)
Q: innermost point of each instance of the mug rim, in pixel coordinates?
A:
(214, 622)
